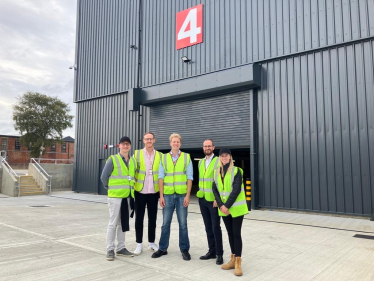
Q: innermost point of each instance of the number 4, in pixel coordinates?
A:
(193, 31)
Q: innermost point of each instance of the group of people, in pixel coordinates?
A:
(153, 178)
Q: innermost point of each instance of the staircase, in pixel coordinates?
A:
(29, 186)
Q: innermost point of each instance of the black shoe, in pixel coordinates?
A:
(186, 255)
(219, 260)
(208, 256)
(159, 253)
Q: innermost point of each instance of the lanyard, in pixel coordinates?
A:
(150, 157)
(171, 154)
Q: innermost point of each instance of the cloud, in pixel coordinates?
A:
(37, 48)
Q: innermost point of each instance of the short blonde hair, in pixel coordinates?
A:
(175, 135)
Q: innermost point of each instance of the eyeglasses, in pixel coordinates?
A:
(149, 139)
(207, 146)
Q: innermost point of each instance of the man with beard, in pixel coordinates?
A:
(208, 205)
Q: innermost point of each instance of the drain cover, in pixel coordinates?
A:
(39, 206)
(364, 236)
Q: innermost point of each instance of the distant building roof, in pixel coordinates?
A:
(12, 136)
(68, 139)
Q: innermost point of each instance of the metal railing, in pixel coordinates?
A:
(13, 173)
(43, 172)
(46, 160)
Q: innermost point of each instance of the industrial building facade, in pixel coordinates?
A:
(288, 85)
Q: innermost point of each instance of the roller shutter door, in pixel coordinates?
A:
(225, 119)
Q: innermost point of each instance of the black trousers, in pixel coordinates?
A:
(212, 224)
(234, 231)
(141, 202)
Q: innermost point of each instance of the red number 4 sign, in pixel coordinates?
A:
(189, 27)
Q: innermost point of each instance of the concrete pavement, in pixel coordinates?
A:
(66, 241)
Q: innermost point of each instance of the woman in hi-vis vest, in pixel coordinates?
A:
(229, 193)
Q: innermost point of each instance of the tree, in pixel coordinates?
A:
(41, 119)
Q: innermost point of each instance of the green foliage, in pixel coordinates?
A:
(41, 119)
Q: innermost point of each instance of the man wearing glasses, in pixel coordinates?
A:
(208, 206)
(146, 191)
(118, 177)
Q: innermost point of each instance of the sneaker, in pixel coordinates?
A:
(124, 252)
(153, 247)
(159, 253)
(139, 249)
(110, 255)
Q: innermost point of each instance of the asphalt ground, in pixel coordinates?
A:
(62, 237)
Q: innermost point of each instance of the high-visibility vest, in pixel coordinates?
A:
(175, 180)
(239, 208)
(121, 181)
(141, 172)
(206, 179)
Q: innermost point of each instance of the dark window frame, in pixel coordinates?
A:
(63, 147)
(4, 147)
(17, 144)
(53, 147)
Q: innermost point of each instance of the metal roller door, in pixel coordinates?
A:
(224, 119)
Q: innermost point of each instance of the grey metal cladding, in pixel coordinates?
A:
(219, 118)
(99, 122)
(105, 63)
(316, 131)
(245, 31)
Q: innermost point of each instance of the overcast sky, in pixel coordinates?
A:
(37, 46)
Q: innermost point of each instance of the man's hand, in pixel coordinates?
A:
(162, 202)
(215, 205)
(186, 201)
(224, 210)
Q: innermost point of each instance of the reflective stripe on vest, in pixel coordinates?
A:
(175, 180)
(141, 172)
(239, 208)
(206, 179)
(121, 180)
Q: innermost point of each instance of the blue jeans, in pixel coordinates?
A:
(174, 201)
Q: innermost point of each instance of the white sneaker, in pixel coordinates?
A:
(153, 247)
(139, 249)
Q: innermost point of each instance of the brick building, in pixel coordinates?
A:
(18, 155)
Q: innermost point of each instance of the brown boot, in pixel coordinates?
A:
(230, 264)
(238, 266)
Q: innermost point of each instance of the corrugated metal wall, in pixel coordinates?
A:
(218, 118)
(243, 31)
(98, 122)
(235, 32)
(316, 131)
(105, 63)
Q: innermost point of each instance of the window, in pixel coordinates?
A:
(53, 148)
(4, 144)
(63, 147)
(17, 144)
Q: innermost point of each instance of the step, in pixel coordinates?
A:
(29, 185)
(33, 193)
(31, 189)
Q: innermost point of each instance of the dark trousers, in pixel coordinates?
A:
(141, 201)
(212, 224)
(234, 229)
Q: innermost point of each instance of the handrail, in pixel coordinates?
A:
(40, 169)
(13, 173)
(48, 159)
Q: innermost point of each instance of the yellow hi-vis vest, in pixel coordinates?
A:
(206, 179)
(239, 208)
(175, 180)
(141, 170)
(121, 181)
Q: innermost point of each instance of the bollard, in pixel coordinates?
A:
(248, 193)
